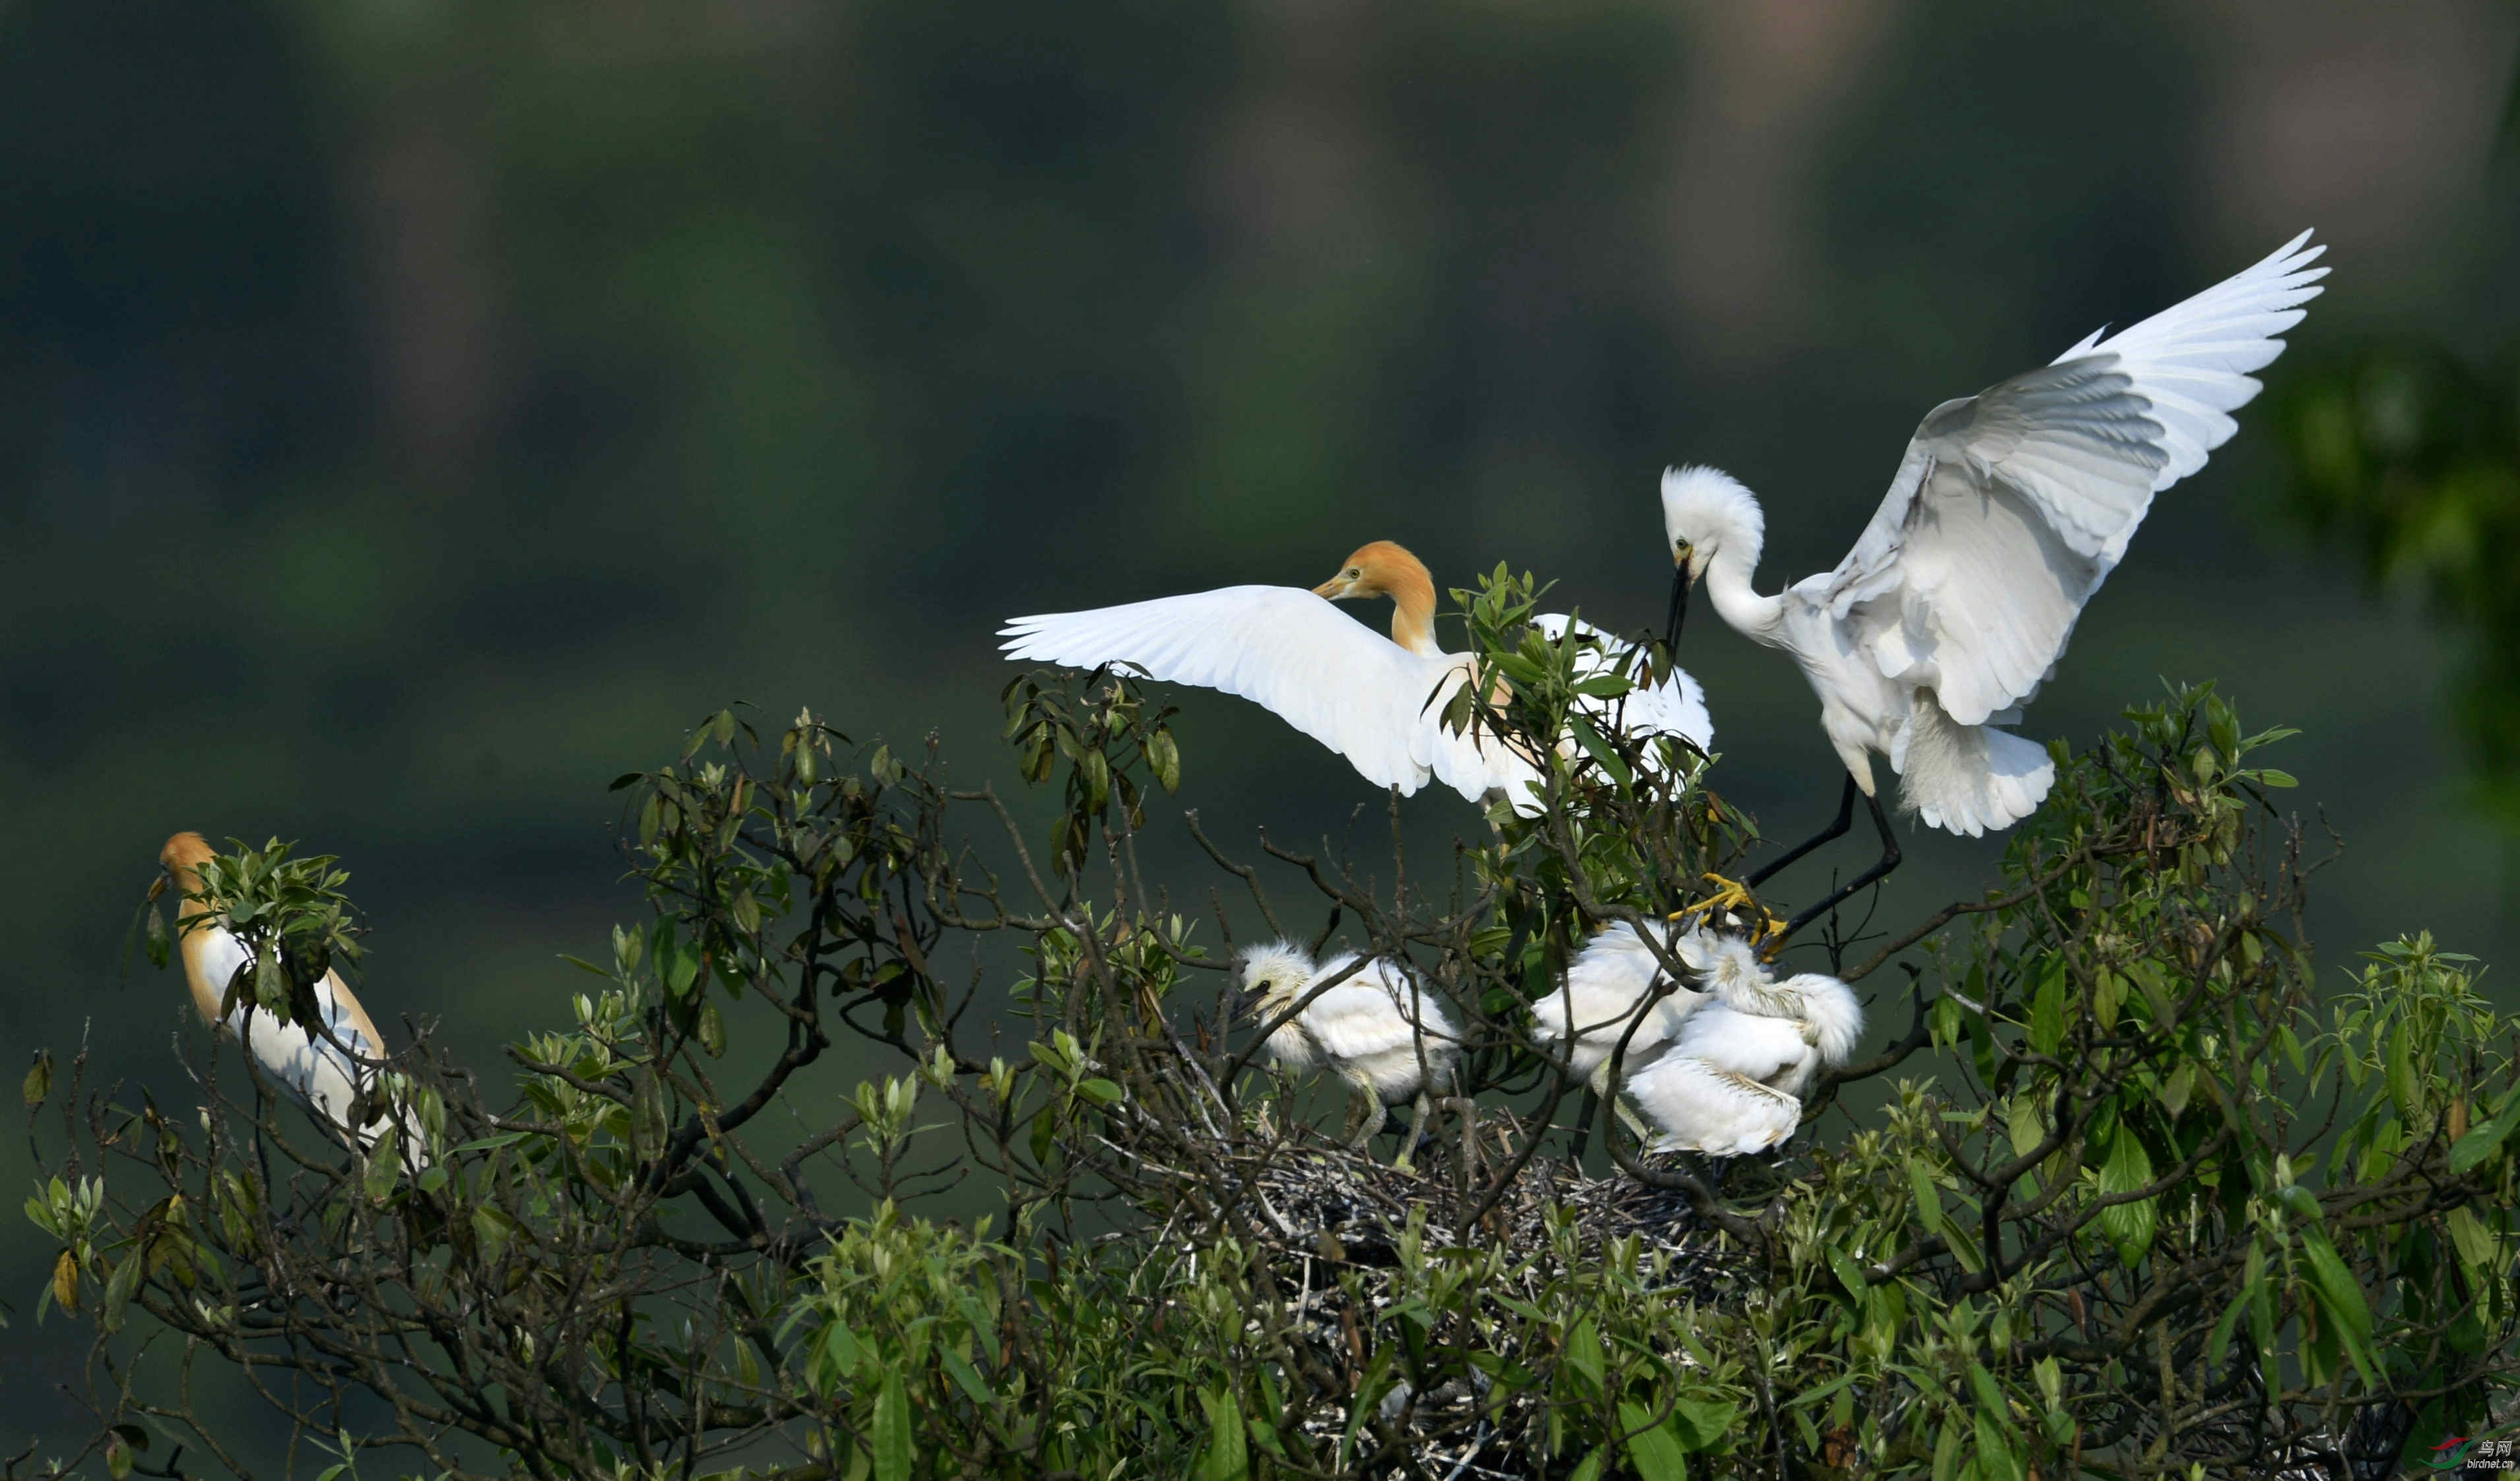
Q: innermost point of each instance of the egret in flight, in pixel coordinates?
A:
(331, 1072)
(1732, 1077)
(2008, 512)
(1377, 1028)
(1377, 701)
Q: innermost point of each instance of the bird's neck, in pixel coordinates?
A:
(196, 944)
(1413, 610)
(1744, 610)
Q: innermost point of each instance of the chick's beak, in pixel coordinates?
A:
(157, 886)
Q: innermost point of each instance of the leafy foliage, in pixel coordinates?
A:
(2126, 1195)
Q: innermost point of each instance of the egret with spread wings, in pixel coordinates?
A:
(1377, 701)
(2009, 511)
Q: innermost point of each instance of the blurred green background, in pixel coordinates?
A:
(416, 414)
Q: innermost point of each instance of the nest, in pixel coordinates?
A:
(1333, 1222)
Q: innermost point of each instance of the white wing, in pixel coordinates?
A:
(1676, 706)
(1762, 1049)
(1700, 1106)
(2012, 506)
(1337, 681)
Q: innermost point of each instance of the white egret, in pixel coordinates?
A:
(1731, 1079)
(1378, 1029)
(330, 1072)
(2008, 512)
(1378, 702)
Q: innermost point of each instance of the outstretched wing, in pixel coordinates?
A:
(2012, 506)
(1292, 653)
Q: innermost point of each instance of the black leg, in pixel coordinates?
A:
(1836, 830)
(1889, 861)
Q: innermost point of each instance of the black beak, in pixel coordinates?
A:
(1680, 585)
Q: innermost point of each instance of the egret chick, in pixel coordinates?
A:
(328, 1072)
(1379, 1030)
(2008, 512)
(1602, 992)
(1733, 1078)
(1377, 701)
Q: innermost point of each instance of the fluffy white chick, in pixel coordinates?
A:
(1733, 1078)
(1380, 1030)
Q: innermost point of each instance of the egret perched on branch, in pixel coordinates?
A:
(1378, 702)
(2008, 512)
(1375, 1027)
(335, 1072)
(1731, 1079)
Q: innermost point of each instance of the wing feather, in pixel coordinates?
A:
(1291, 653)
(2011, 507)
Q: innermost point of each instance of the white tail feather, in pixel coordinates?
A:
(1969, 779)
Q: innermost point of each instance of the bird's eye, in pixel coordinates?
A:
(1353, 573)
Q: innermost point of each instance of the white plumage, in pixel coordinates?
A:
(1731, 1080)
(1377, 701)
(1600, 995)
(1379, 1029)
(325, 1074)
(2008, 512)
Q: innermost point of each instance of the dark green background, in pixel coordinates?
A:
(416, 415)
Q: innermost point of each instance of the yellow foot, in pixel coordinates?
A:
(1733, 895)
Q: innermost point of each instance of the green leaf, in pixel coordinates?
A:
(2483, 1142)
(1599, 749)
(2047, 1007)
(1583, 1352)
(119, 1288)
(2476, 1245)
(1929, 1203)
(40, 1080)
(967, 1378)
(1591, 1469)
(1652, 1449)
(1849, 1272)
(2221, 1342)
(384, 1167)
(890, 1435)
(2023, 1124)
(1101, 1092)
(1228, 1457)
(1997, 1452)
(2340, 1295)
(1702, 1423)
(2129, 1226)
